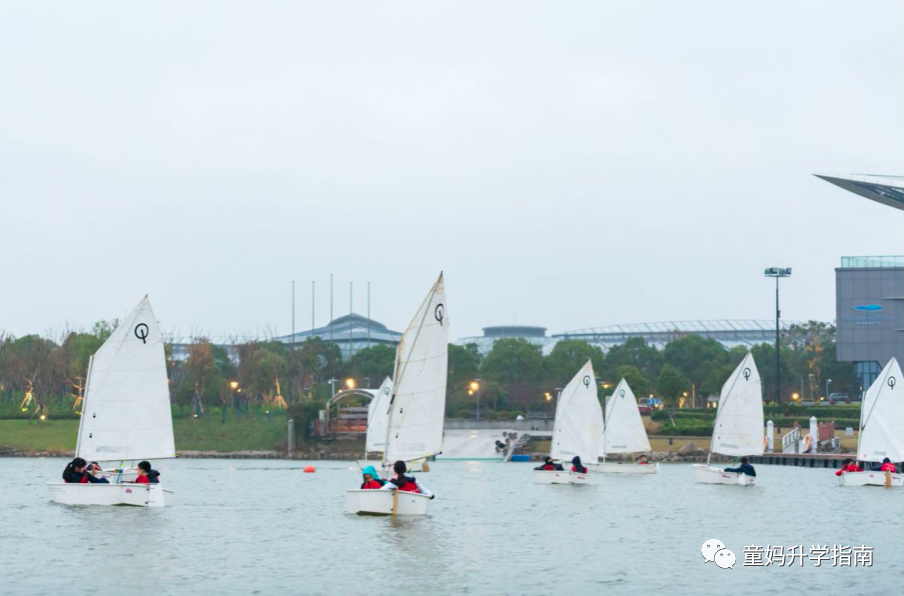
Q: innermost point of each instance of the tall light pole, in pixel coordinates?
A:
(474, 387)
(777, 273)
(828, 384)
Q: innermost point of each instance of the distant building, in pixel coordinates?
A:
(869, 291)
(535, 335)
(869, 302)
(351, 333)
(728, 332)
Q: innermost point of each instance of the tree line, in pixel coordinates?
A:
(43, 373)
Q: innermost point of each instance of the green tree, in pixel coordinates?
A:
(374, 364)
(671, 385)
(696, 358)
(636, 380)
(635, 352)
(567, 358)
(516, 365)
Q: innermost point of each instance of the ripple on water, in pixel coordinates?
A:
(248, 526)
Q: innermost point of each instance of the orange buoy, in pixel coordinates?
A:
(309, 470)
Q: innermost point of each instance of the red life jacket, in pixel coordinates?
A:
(371, 484)
(644, 463)
(549, 467)
(142, 480)
(84, 479)
(581, 471)
(849, 468)
(889, 467)
(409, 487)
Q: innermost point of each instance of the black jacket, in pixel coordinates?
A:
(743, 469)
(73, 477)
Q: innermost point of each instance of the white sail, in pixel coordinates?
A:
(126, 413)
(377, 416)
(882, 417)
(623, 430)
(579, 419)
(738, 429)
(418, 404)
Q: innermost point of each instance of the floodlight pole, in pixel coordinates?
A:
(778, 272)
(778, 350)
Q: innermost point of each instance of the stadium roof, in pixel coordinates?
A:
(888, 190)
(728, 332)
(352, 326)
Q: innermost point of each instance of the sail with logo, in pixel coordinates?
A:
(417, 405)
(738, 427)
(881, 434)
(577, 430)
(126, 414)
(623, 433)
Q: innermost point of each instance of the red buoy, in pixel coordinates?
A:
(309, 470)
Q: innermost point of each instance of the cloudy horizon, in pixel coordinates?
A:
(567, 165)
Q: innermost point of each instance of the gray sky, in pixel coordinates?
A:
(568, 164)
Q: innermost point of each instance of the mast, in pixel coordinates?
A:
(81, 420)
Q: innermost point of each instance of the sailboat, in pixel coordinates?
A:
(623, 432)
(126, 414)
(577, 429)
(738, 428)
(881, 429)
(377, 417)
(416, 408)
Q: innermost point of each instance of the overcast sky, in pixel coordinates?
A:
(568, 164)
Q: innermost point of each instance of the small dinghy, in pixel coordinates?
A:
(577, 429)
(126, 415)
(415, 410)
(623, 432)
(881, 430)
(738, 428)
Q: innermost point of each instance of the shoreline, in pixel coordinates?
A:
(321, 455)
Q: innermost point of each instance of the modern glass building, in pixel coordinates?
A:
(869, 302)
(888, 190)
(351, 333)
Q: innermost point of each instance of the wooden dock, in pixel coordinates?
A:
(802, 460)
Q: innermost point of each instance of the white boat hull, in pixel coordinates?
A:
(619, 468)
(560, 477)
(710, 475)
(136, 495)
(379, 502)
(869, 479)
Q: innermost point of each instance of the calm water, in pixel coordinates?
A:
(248, 526)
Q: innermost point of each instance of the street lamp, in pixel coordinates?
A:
(474, 387)
(828, 384)
(777, 273)
(349, 383)
(233, 385)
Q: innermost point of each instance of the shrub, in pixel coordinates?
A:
(513, 415)
(464, 413)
